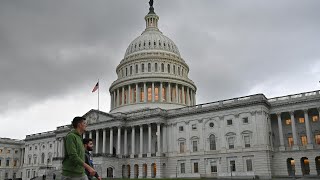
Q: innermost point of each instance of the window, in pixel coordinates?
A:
(29, 160)
(35, 160)
(249, 164)
(288, 121)
(1, 151)
(36, 147)
(194, 127)
(136, 68)
(301, 120)
(174, 69)
(182, 147)
(212, 140)
(142, 68)
(6, 175)
(178, 70)
(168, 68)
(8, 151)
(130, 70)
(126, 71)
(15, 162)
(195, 146)
(43, 147)
(214, 168)
(42, 158)
(180, 128)
(7, 162)
(231, 142)
(182, 168)
(30, 148)
(162, 67)
(245, 120)
(16, 151)
(304, 141)
(156, 67)
(0, 163)
(290, 141)
(50, 145)
(195, 167)
(28, 173)
(229, 122)
(149, 67)
(156, 94)
(233, 165)
(211, 124)
(122, 73)
(317, 138)
(315, 118)
(149, 94)
(247, 141)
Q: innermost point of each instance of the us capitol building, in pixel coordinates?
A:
(155, 129)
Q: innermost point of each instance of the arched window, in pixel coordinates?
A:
(212, 140)
(149, 67)
(130, 70)
(156, 67)
(136, 68)
(162, 67)
(174, 69)
(42, 158)
(126, 71)
(142, 68)
(168, 68)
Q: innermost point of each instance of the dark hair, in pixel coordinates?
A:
(86, 140)
(77, 120)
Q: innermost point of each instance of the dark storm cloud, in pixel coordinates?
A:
(49, 48)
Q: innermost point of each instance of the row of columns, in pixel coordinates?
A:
(294, 130)
(133, 143)
(133, 90)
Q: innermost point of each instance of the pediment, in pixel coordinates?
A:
(95, 116)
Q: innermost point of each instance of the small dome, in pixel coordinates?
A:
(151, 40)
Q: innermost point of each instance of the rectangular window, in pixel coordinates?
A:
(8, 151)
(233, 165)
(304, 141)
(195, 146)
(156, 94)
(130, 70)
(29, 160)
(16, 151)
(315, 118)
(149, 94)
(195, 167)
(28, 173)
(317, 138)
(245, 120)
(7, 162)
(288, 121)
(194, 126)
(247, 141)
(15, 163)
(290, 141)
(301, 120)
(182, 168)
(180, 128)
(141, 94)
(164, 94)
(181, 147)
(173, 94)
(214, 169)
(1, 151)
(249, 164)
(142, 68)
(229, 122)
(136, 68)
(231, 142)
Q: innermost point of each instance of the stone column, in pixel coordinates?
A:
(145, 92)
(104, 137)
(169, 92)
(122, 95)
(149, 140)
(183, 100)
(281, 148)
(141, 141)
(294, 131)
(62, 147)
(137, 93)
(159, 139)
(188, 97)
(177, 94)
(125, 145)
(191, 98)
(152, 90)
(111, 102)
(129, 95)
(308, 129)
(160, 92)
(164, 140)
(119, 141)
(132, 142)
(111, 141)
(114, 99)
(97, 142)
(118, 97)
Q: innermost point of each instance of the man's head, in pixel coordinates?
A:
(79, 123)
(88, 144)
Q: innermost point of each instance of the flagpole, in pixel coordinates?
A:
(98, 93)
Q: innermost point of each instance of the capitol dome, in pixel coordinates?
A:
(152, 73)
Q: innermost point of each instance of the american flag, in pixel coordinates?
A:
(95, 87)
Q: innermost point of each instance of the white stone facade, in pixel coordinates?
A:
(156, 130)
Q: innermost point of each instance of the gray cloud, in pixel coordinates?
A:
(49, 49)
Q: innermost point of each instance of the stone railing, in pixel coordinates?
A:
(294, 97)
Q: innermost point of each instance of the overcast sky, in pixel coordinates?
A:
(53, 52)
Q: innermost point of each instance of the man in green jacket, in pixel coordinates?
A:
(73, 165)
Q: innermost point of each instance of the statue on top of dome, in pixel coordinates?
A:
(151, 3)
